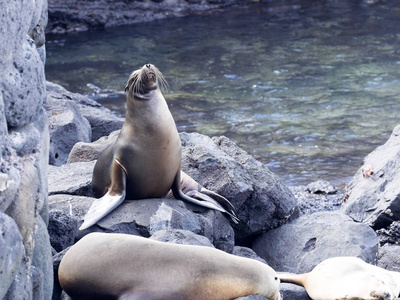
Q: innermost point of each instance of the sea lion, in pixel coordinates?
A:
(347, 278)
(123, 266)
(145, 160)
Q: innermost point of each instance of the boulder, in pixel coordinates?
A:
(62, 230)
(71, 179)
(373, 195)
(67, 127)
(261, 199)
(299, 246)
(11, 252)
(22, 86)
(102, 121)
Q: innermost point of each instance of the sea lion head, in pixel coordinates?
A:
(144, 80)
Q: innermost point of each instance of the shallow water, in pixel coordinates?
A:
(309, 88)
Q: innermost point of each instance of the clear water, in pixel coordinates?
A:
(308, 87)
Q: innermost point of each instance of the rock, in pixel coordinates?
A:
(22, 86)
(82, 152)
(11, 252)
(71, 179)
(43, 263)
(390, 235)
(62, 230)
(102, 120)
(23, 207)
(373, 195)
(389, 257)
(71, 206)
(177, 236)
(247, 252)
(261, 199)
(299, 246)
(22, 287)
(310, 202)
(293, 292)
(65, 16)
(56, 264)
(67, 127)
(321, 187)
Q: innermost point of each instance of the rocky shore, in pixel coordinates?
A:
(50, 139)
(290, 229)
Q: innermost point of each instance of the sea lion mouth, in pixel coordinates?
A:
(145, 79)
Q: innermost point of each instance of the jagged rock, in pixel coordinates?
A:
(102, 120)
(62, 230)
(71, 179)
(247, 252)
(261, 199)
(390, 235)
(300, 245)
(67, 127)
(373, 195)
(11, 252)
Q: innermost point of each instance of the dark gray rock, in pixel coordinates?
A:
(71, 179)
(42, 261)
(22, 86)
(247, 252)
(11, 252)
(102, 120)
(390, 235)
(178, 236)
(148, 216)
(251, 297)
(373, 195)
(389, 257)
(67, 126)
(261, 199)
(82, 152)
(299, 246)
(293, 292)
(62, 230)
(57, 291)
(70, 205)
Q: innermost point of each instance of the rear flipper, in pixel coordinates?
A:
(114, 197)
(187, 189)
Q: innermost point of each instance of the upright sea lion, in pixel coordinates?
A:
(347, 278)
(145, 160)
(122, 266)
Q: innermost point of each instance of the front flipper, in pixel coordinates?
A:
(195, 193)
(114, 197)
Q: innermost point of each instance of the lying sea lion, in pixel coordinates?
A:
(145, 160)
(347, 278)
(122, 266)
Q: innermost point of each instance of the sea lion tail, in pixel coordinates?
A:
(221, 203)
(298, 279)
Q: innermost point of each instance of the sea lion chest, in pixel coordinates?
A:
(149, 148)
